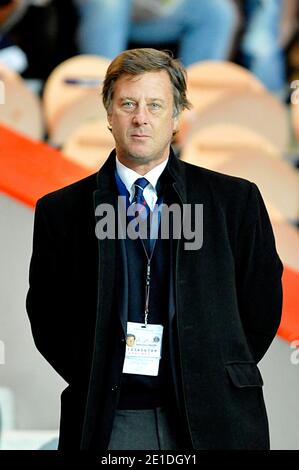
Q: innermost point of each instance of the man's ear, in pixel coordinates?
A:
(176, 122)
(109, 119)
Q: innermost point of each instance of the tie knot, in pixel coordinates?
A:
(138, 198)
(141, 183)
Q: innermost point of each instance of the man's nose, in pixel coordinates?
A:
(140, 116)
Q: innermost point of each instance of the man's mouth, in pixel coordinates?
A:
(140, 136)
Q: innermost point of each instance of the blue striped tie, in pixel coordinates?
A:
(138, 198)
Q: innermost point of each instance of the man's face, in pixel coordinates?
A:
(130, 340)
(141, 117)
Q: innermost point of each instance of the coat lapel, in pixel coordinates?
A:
(107, 194)
(107, 253)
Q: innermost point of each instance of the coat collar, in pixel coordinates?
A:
(106, 184)
(177, 177)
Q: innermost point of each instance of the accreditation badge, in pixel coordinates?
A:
(143, 349)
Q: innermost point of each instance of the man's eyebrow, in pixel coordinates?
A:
(125, 98)
(157, 99)
(129, 98)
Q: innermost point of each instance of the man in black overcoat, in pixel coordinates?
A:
(203, 302)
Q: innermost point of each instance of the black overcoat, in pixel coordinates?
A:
(227, 300)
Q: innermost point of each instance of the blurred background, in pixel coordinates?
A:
(242, 59)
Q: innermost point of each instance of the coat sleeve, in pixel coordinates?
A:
(45, 303)
(258, 276)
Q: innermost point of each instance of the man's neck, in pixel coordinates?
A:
(140, 167)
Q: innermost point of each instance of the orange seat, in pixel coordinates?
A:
(90, 144)
(86, 108)
(20, 108)
(260, 112)
(208, 80)
(227, 138)
(277, 180)
(78, 77)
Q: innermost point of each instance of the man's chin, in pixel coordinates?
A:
(141, 157)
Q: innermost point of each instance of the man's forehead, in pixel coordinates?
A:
(156, 75)
(154, 83)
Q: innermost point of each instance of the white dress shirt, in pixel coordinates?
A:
(129, 177)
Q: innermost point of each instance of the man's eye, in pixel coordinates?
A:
(128, 104)
(155, 105)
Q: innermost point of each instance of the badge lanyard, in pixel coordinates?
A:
(147, 279)
(123, 192)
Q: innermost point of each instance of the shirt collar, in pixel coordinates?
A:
(129, 176)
